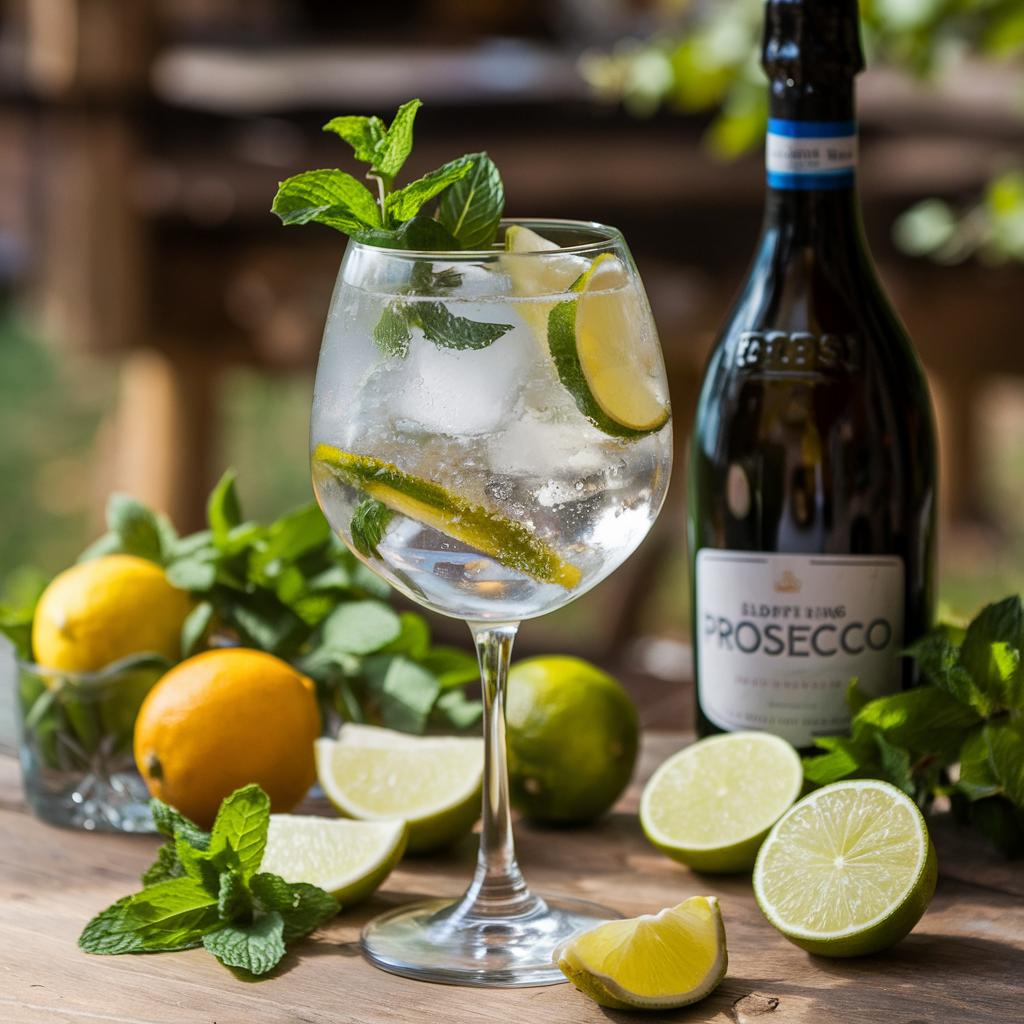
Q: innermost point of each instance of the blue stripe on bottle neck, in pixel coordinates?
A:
(811, 129)
(804, 182)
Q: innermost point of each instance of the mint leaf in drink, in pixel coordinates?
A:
(471, 208)
(363, 134)
(442, 327)
(406, 202)
(424, 234)
(303, 907)
(256, 947)
(391, 335)
(328, 197)
(369, 521)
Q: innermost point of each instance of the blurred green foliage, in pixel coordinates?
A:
(710, 61)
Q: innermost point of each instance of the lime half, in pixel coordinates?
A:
(347, 858)
(506, 541)
(711, 805)
(606, 355)
(654, 962)
(432, 782)
(849, 870)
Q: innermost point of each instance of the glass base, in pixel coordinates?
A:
(445, 941)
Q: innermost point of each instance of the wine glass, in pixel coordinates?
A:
(490, 434)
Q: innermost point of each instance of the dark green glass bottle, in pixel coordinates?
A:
(812, 477)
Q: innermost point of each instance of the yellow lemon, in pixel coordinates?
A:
(222, 720)
(105, 609)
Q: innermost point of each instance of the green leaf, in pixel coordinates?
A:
(845, 758)
(977, 776)
(241, 825)
(256, 948)
(938, 656)
(171, 915)
(165, 867)
(108, 544)
(451, 666)
(369, 522)
(460, 712)
(855, 698)
(424, 234)
(985, 653)
(233, 898)
(201, 866)
(107, 933)
(392, 153)
(1006, 756)
(265, 622)
(135, 527)
(223, 511)
(1001, 823)
(361, 627)
(293, 535)
(895, 763)
(471, 207)
(414, 640)
(303, 907)
(391, 333)
(329, 197)
(407, 695)
(364, 134)
(22, 589)
(194, 626)
(170, 823)
(442, 327)
(193, 574)
(406, 202)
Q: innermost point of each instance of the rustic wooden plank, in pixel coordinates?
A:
(962, 963)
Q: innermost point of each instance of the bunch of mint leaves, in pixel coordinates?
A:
(206, 889)
(960, 735)
(457, 207)
(294, 590)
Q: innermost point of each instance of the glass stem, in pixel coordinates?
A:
(498, 889)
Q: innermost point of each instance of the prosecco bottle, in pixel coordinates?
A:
(812, 474)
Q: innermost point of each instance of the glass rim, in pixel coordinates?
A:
(604, 234)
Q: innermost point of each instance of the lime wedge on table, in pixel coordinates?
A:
(849, 870)
(347, 858)
(506, 541)
(711, 805)
(606, 356)
(432, 782)
(654, 962)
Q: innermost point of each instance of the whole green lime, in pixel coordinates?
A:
(572, 737)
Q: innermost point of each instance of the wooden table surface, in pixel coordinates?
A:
(964, 962)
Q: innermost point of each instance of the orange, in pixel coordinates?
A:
(222, 720)
(106, 608)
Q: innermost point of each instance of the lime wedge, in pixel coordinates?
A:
(606, 356)
(347, 858)
(432, 782)
(506, 541)
(849, 870)
(654, 962)
(711, 805)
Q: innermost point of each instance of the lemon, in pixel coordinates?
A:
(506, 541)
(224, 719)
(432, 782)
(349, 859)
(538, 278)
(653, 962)
(711, 805)
(849, 870)
(104, 609)
(606, 355)
(571, 733)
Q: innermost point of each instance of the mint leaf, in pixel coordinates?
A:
(845, 757)
(978, 778)
(200, 866)
(407, 695)
(106, 933)
(414, 640)
(391, 333)
(256, 948)
(22, 589)
(369, 521)
(938, 655)
(855, 698)
(393, 151)
(471, 207)
(406, 202)
(895, 762)
(442, 327)
(460, 712)
(425, 234)
(172, 824)
(193, 574)
(985, 651)
(1006, 756)
(194, 626)
(303, 907)
(361, 627)
(329, 197)
(223, 510)
(232, 896)
(451, 666)
(165, 867)
(364, 134)
(171, 915)
(135, 527)
(241, 826)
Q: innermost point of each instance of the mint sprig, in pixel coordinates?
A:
(961, 735)
(205, 888)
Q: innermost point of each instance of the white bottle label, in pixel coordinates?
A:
(780, 636)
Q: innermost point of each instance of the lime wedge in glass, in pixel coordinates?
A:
(506, 541)
(347, 858)
(432, 782)
(606, 354)
(654, 962)
(711, 805)
(849, 870)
